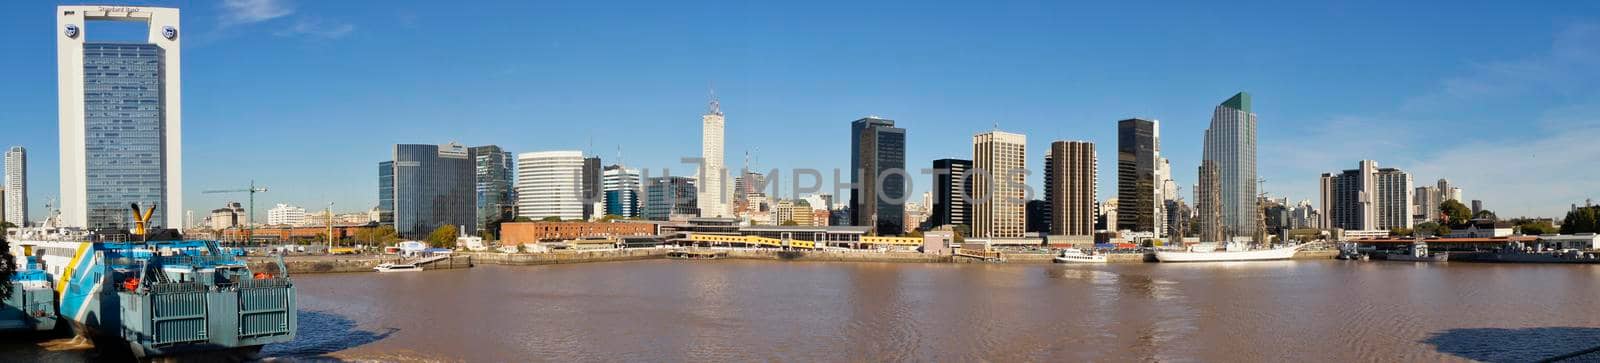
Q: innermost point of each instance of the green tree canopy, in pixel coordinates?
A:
(1486, 214)
(1400, 232)
(1536, 228)
(381, 236)
(1457, 213)
(8, 267)
(790, 222)
(443, 237)
(1582, 220)
(1432, 229)
(551, 219)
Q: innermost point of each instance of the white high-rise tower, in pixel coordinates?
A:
(16, 180)
(121, 112)
(713, 196)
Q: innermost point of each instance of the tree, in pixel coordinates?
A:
(1456, 213)
(1582, 220)
(1486, 214)
(1432, 228)
(1532, 228)
(8, 267)
(551, 219)
(443, 237)
(522, 219)
(6, 226)
(489, 236)
(790, 222)
(1400, 232)
(383, 235)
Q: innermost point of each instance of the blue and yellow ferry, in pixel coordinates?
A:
(165, 297)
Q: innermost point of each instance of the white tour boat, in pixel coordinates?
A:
(1232, 252)
(397, 267)
(1073, 255)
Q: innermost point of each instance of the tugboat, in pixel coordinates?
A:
(164, 295)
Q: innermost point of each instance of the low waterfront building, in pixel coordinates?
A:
(1449, 244)
(345, 234)
(531, 232)
(1581, 241)
(1484, 229)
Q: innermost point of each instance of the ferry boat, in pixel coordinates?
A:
(1073, 255)
(397, 267)
(31, 306)
(1231, 252)
(162, 297)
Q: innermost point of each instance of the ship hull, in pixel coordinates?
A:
(1255, 255)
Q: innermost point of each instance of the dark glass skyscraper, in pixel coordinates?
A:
(593, 186)
(1137, 150)
(950, 193)
(494, 176)
(433, 186)
(670, 196)
(878, 149)
(123, 132)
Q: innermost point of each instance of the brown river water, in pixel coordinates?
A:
(668, 310)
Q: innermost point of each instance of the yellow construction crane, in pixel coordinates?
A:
(249, 216)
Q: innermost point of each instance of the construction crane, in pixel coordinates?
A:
(251, 214)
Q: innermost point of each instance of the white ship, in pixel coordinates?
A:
(1073, 255)
(1233, 252)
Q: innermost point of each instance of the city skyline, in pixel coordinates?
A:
(666, 107)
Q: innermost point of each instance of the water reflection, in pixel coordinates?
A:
(804, 311)
(1514, 345)
(322, 333)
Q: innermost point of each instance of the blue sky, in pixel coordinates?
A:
(307, 96)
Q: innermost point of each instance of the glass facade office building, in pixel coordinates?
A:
(432, 186)
(878, 149)
(123, 132)
(494, 177)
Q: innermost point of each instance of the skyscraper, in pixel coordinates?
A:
(670, 197)
(428, 186)
(120, 117)
(1071, 187)
(713, 194)
(950, 193)
(878, 169)
(1368, 198)
(1208, 200)
(16, 182)
(549, 184)
(593, 188)
(494, 175)
(999, 189)
(1138, 189)
(1230, 144)
(622, 191)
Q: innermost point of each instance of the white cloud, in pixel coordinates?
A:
(317, 28)
(1534, 166)
(236, 12)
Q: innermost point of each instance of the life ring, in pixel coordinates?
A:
(132, 283)
(262, 276)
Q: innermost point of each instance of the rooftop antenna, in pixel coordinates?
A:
(716, 107)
